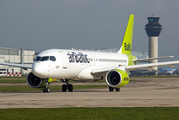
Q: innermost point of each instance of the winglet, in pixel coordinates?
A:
(126, 46)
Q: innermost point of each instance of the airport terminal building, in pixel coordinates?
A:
(19, 56)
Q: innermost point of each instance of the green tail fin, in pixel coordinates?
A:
(126, 46)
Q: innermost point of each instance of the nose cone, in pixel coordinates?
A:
(40, 70)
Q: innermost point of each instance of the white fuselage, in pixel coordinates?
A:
(74, 64)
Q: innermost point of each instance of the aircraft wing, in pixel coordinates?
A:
(103, 71)
(24, 66)
(147, 59)
(150, 65)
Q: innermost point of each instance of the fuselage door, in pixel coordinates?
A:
(65, 62)
(94, 60)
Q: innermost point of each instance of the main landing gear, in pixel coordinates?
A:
(67, 86)
(111, 89)
(46, 89)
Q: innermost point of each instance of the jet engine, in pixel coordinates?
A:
(117, 78)
(34, 81)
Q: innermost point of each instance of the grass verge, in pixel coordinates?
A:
(152, 113)
(13, 79)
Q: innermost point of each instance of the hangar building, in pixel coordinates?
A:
(19, 56)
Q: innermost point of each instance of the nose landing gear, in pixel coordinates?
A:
(46, 88)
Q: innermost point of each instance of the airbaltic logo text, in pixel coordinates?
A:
(127, 46)
(77, 57)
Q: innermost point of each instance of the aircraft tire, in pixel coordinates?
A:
(111, 89)
(64, 88)
(117, 89)
(46, 90)
(70, 87)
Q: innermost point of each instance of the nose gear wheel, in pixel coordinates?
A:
(46, 89)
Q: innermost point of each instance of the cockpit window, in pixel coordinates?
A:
(37, 58)
(45, 58)
(52, 58)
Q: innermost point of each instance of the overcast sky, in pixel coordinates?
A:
(92, 24)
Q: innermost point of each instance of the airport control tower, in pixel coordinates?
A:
(153, 29)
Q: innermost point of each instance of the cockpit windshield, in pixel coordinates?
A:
(37, 58)
(45, 58)
(52, 58)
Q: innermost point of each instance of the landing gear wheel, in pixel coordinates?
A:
(64, 88)
(117, 89)
(70, 87)
(111, 89)
(46, 89)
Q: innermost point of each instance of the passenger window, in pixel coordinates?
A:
(52, 58)
(37, 58)
(45, 58)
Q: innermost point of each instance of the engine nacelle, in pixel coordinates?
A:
(34, 81)
(117, 78)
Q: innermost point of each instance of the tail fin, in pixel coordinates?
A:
(126, 46)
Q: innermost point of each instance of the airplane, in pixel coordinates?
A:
(85, 66)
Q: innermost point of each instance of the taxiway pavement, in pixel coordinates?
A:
(143, 92)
